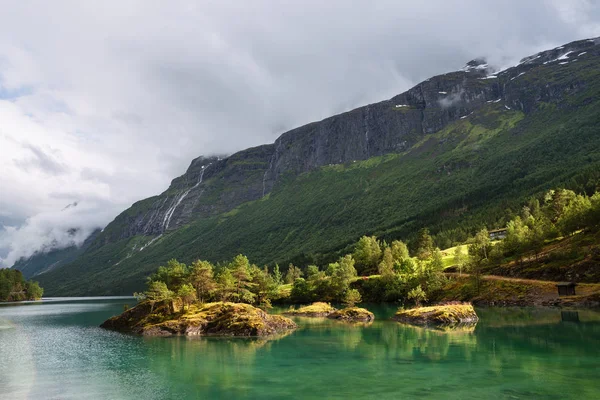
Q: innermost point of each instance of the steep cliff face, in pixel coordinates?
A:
(213, 185)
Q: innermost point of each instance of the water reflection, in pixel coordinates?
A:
(511, 353)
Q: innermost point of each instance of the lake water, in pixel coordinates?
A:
(55, 350)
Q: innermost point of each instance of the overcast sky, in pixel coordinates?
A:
(103, 103)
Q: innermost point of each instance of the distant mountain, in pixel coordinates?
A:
(453, 153)
(45, 261)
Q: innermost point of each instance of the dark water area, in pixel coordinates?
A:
(55, 350)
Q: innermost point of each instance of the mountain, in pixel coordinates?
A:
(453, 153)
(45, 261)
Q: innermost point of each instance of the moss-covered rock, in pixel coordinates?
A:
(447, 314)
(318, 309)
(353, 314)
(212, 319)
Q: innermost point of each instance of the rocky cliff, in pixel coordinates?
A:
(213, 185)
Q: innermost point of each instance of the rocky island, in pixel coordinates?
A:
(439, 315)
(353, 314)
(321, 309)
(318, 309)
(211, 319)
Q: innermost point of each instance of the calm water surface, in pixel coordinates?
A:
(54, 350)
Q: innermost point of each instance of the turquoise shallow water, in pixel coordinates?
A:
(54, 350)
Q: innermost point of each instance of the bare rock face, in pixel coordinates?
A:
(212, 319)
(448, 314)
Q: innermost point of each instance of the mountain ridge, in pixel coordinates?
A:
(213, 188)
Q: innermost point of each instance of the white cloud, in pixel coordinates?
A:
(105, 104)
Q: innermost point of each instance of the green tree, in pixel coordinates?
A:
(367, 253)
(407, 267)
(555, 202)
(594, 215)
(352, 297)
(240, 270)
(386, 266)
(277, 276)
(34, 291)
(301, 291)
(517, 238)
(437, 261)
(342, 274)
(292, 274)
(479, 249)
(263, 286)
(313, 273)
(481, 244)
(459, 259)
(424, 244)
(201, 278)
(399, 250)
(226, 285)
(187, 294)
(158, 292)
(417, 295)
(173, 274)
(575, 215)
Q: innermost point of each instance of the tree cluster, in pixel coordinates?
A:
(14, 287)
(236, 281)
(561, 212)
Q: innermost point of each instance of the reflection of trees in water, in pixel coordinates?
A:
(535, 348)
(407, 341)
(212, 364)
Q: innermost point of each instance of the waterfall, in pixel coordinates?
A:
(150, 242)
(171, 210)
(266, 172)
(366, 126)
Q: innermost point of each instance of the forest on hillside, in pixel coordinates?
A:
(375, 270)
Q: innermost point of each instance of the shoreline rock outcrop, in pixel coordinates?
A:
(318, 309)
(211, 319)
(439, 315)
(353, 314)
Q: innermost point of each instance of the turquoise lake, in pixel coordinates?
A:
(55, 350)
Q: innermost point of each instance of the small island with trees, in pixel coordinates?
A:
(14, 287)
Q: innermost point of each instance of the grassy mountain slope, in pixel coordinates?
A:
(452, 181)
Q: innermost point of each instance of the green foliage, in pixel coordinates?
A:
(201, 278)
(292, 274)
(186, 293)
(417, 295)
(459, 258)
(386, 266)
(367, 253)
(424, 244)
(159, 292)
(352, 297)
(13, 287)
(277, 275)
(399, 250)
